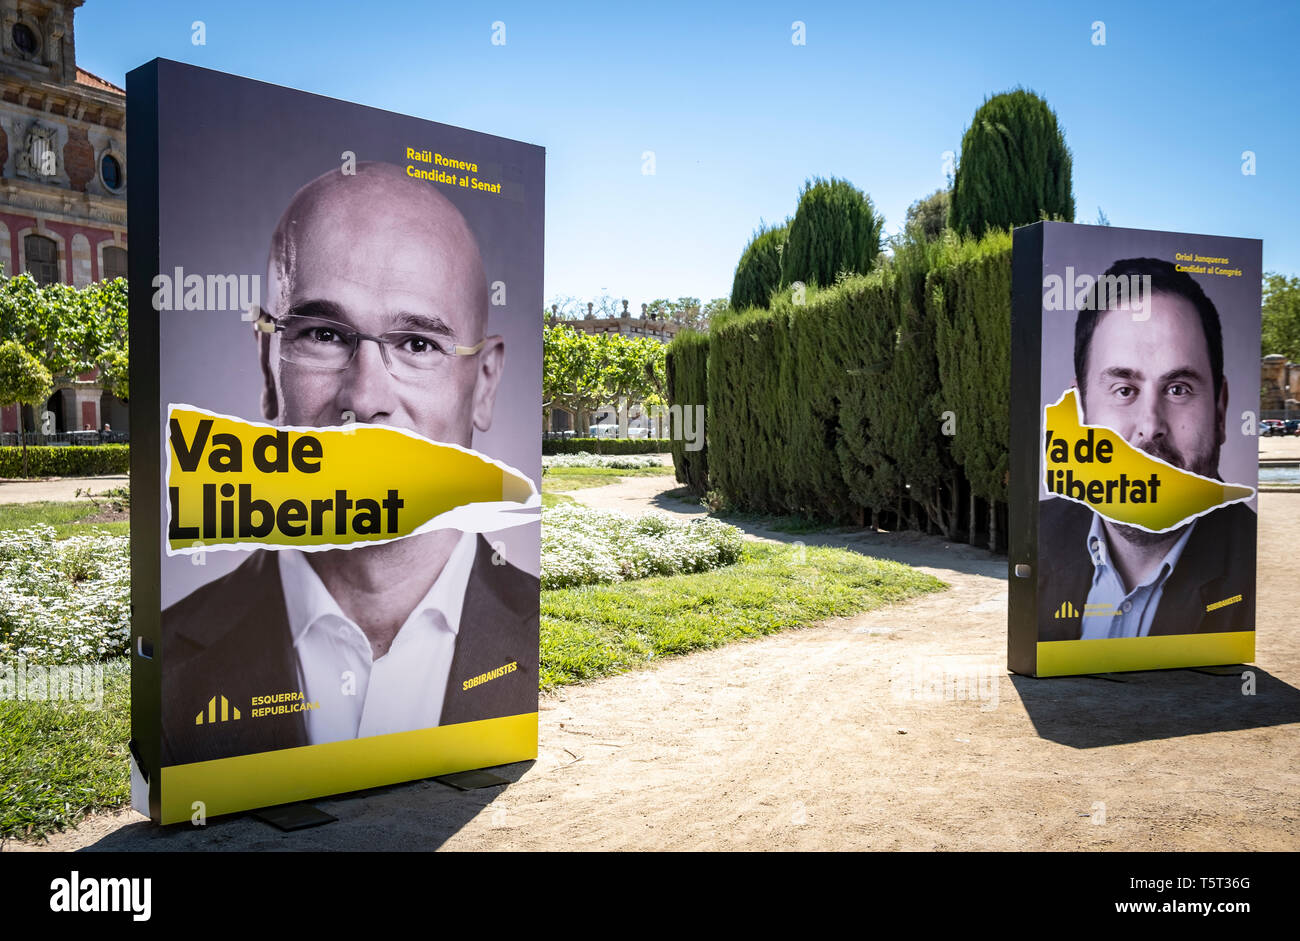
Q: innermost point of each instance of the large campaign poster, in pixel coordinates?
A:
(1135, 397)
(336, 381)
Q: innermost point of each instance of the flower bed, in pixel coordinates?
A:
(66, 600)
(619, 461)
(582, 546)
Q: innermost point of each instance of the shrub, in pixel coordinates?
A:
(606, 446)
(688, 386)
(70, 461)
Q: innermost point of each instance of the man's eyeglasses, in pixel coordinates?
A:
(317, 343)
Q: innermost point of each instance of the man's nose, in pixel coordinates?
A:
(1149, 420)
(366, 388)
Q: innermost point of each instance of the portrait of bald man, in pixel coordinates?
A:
(1159, 382)
(376, 311)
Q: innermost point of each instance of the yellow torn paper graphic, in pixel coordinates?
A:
(235, 484)
(1095, 466)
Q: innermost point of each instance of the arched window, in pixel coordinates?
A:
(42, 259)
(114, 263)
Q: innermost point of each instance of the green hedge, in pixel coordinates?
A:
(834, 409)
(70, 461)
(686, 368)
(605, 445)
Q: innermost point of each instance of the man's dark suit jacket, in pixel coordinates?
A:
(231, 638)
(1217, 563)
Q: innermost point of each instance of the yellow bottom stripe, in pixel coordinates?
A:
(1118, 654)
(228, 785)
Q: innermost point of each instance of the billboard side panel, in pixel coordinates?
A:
(146, 470)
(1026, 351)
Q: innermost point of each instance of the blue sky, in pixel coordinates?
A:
(738, 116)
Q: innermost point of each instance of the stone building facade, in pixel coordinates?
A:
(1279, 395)
(63, 179)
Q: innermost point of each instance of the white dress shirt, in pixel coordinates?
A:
(1109, 610)
(357, 695)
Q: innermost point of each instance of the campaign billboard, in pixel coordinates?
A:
(1135, 377)
(335, 403)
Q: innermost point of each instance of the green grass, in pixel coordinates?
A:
(599, 630)
(555, 499)
(65, 517)
(60, 761)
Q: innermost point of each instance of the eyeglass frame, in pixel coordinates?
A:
(265, 322)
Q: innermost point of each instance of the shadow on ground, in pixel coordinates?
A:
(418, 815)
(1123, 708)
(908, 547)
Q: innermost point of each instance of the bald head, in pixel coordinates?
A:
(360, 208)
(381, 253)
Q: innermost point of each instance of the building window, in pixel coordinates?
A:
(114, 263)
(42, 259)
(110, 169)
(25, 40)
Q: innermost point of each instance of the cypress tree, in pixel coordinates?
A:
(1014, 167)
(759, 272)
(835, 229)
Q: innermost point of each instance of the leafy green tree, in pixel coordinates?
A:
(70, 330)
(929, 216)
(23, 381)
(1014, 167)
(1282, 316)
(835, 230)
(758, 273)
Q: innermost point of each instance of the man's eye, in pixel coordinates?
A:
(1180, 389)
(323, 334)
(414, 343)
(1126, 392)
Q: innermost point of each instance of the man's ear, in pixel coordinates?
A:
(491, 361)
(270, 398)
(1221, 410)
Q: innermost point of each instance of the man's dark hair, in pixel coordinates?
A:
(1165, 279)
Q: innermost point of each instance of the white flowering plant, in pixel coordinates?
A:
(582, 546)
(64, 600)
(619, 461)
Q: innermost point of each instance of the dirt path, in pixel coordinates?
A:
(58, 489)
(823, 739)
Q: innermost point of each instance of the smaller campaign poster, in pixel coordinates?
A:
(336, 382)
(1135, 378)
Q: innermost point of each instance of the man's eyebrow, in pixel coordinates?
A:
(427, 323)
(1182, 372)
(1122, 372)
(325, 310)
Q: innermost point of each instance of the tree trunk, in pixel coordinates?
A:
(993, 526)
(973, 525)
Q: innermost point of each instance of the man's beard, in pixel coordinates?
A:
(1206, 467)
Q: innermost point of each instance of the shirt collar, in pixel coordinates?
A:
(307, 600)
(1098, 548)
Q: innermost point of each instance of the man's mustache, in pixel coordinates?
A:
(1162, 449)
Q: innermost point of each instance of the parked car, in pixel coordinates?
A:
(1293, 426)
(1271, 427)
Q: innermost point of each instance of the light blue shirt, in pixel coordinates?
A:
(1109, 612)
